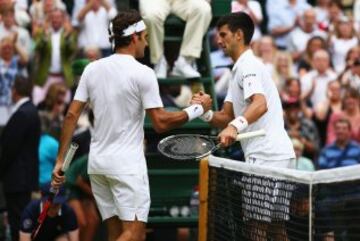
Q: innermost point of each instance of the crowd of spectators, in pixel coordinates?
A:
(311, 51)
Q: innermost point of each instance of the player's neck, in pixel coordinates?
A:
(127, 51)
(240, 51)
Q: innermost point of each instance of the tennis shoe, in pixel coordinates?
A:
(184, 68)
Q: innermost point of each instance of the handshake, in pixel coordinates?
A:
(201, 104)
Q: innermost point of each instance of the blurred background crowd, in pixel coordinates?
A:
(311, 49)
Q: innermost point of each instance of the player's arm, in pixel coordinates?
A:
(67, 131)
(222, 118)
(74, 235)
(163, 120)
(256, 109)
(24, 236)
(252, 113)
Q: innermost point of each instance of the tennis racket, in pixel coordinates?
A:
(195, 147)
(68, 158)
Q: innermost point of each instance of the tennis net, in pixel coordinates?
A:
(257, 203)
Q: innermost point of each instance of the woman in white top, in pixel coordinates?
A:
(343, 40)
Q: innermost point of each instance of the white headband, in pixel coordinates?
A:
(134, 28)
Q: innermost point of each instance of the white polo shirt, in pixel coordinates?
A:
(250, 77)
(119, 89)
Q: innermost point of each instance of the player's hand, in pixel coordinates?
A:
(202, 99)
(57, 176)
(227, 136)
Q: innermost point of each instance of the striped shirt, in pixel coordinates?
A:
(333, 156)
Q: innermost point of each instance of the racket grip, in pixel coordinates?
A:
(69, 156)
(250, 134)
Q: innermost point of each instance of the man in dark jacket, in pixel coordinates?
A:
(19, 163)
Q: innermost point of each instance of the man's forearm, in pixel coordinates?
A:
(220, 119)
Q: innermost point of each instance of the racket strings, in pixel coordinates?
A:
(186, 147)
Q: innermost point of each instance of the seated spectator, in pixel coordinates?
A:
(300, 35)
(344, 151)
(9, 28)
(351, 78)
(291, 92)
(302, 128)
(306, 61)
(323, 111)
(81, 198)
(284, 19)
(55, 47)
(266, 50)
(341, 42)
(196, 13)
(52, 110)
(351, 111)
(94, 19)
(12, 62)
(351, 56)
(59, 225)
(314, 83)
(302, 163)
(283, 68)
(253, 9)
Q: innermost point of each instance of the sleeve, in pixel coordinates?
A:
(82, 92)
(70, 223)
(252, 80)
(149, 90)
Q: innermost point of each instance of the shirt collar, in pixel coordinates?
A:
(247, 53)
(19, 103)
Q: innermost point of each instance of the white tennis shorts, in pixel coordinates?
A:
(125, 196)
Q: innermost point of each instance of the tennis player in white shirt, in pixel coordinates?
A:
(119, 89)
(252, 103)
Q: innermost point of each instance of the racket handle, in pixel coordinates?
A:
(250, 134)
(69, 156)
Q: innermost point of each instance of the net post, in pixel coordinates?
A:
(310, 211)
(203, 198)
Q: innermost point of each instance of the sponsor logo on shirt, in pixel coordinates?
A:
(249, 75)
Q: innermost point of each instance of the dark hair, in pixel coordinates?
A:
(121, 21)
(23, 86)
(236, 21)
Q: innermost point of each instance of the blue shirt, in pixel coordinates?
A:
(332, 156)
(48, 150)
(285, 16)
(52, 227)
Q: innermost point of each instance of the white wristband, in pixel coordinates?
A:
(207, 116)
(194, 111)
(240, 123)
